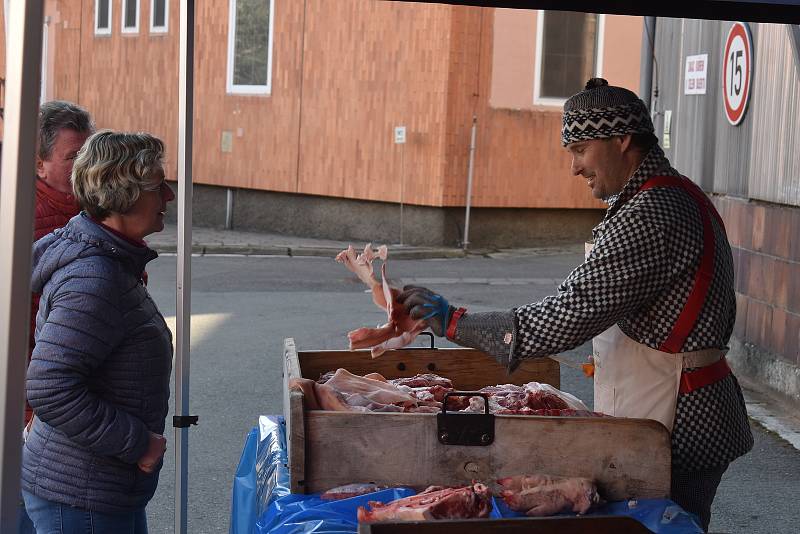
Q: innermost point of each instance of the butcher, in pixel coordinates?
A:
(655, 294)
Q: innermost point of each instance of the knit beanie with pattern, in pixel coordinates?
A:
(601, 111)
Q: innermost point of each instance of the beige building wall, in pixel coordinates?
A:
(514, 56)
(344, 74)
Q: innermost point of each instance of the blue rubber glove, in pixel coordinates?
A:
(424, 304)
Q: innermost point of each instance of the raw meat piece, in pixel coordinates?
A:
(512, 399)
(351, 490)
(546, 396)
(375, 395)
(543, 495)
(347, 392)
(361, 266)
(325, 377)
(434, 503)
(423, 380)
(432, 393)
(401, 329)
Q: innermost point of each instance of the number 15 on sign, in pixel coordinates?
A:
(737, 72)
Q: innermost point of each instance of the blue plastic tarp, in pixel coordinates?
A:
(262, 475)
(262, 502)
(308, 513)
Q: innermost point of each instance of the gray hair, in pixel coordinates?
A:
(60, 115)
(113, 168)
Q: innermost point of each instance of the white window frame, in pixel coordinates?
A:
(153, 27)
(598, 60)
(132, 29)
(248, 89)
(103, 31)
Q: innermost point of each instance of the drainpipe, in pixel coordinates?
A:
(465, 244)
(646, 65)
(229, 210)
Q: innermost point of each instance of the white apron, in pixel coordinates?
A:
(634, 380)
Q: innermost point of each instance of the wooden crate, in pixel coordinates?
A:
(628, 458)
(524, 525)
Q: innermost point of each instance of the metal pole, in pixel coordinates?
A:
(646, 64)
(23, 68)
(469, 180)
(184, 276)
(229, 210)
(402, 184)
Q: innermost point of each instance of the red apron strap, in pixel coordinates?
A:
(705, 272)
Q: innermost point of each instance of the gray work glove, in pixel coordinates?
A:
(424, 304)
(492, 332)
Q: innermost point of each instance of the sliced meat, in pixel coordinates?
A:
(434, 503)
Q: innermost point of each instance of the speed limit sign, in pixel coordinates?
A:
(737, 72)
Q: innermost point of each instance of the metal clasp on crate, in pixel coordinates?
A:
(460, 428)
(429, 334)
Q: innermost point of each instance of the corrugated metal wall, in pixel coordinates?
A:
(758, 159)
(775, 165)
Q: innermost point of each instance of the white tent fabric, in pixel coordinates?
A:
(23, 57)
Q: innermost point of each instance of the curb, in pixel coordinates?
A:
(307, 251)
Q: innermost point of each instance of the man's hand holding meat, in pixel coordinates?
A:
(422, 303)
(491, 332)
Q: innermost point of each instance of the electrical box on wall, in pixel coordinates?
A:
(227, 141)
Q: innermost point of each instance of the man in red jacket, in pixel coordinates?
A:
(63, 128)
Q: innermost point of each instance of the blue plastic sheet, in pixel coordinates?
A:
(661, 516)
(262, 475)
(262, 502)
(308, 513)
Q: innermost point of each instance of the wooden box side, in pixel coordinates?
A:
(540, 525)
(627, 458)
(469, 369)
(294, 416)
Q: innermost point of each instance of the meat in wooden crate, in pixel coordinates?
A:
(628, 458)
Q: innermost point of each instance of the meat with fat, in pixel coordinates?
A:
(344, 391)
(434, 503)
(540, 495)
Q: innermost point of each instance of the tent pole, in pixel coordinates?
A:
(184, 276)
(23, 71)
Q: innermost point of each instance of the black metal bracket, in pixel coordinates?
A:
(429, 334)
(184, 421)
(460, 428)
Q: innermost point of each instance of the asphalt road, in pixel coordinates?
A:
(243, 308)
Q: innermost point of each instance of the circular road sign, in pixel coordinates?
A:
(737, 72)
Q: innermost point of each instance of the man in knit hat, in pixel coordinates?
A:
(655, 294)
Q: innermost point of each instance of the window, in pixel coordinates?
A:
(159, 16)
(568, 52)
(102, 17)
(250, 46)
(130, 16)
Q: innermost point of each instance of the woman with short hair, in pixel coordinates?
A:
(98, 381)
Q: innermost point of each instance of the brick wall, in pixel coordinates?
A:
(767, 264)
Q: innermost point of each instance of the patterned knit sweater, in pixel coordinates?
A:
(639, 275)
